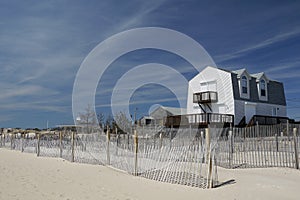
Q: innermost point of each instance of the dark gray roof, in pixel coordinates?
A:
(275, 90)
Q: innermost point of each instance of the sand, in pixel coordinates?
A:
(25, 176)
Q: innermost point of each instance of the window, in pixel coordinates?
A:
(263, 88)
(244, 84)
(274, 111)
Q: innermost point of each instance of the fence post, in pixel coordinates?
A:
(160, 140)
(107, 146)
(11, 141)
(230, 138)
(171, 132)
(73, 146)
(117, 140)
(22, 143)
(288, 129)
(38, 144)
(136, 143)
(3, 139)
(201, 140)
(208, 159)
(296, 148)
(3, 143)
(60, 144)
(277, 145)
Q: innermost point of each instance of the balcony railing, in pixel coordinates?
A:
(202, 119)
(205, 97)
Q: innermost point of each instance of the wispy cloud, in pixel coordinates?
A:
(23, 90)
(263, 44)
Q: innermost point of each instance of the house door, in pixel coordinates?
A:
(250, 110)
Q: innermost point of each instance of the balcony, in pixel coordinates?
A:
(205, 97)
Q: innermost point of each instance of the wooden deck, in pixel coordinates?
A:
(199, 120)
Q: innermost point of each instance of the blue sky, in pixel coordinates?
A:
(43, 43)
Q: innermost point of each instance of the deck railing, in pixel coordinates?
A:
(199, 119)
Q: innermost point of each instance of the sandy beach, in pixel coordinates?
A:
(25, 176)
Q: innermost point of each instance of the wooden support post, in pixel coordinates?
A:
(117, 141)
(230, 138)
(4, 139)
(160, 140)
(22, 143)
(276, 139)
(136, 145)
(128, 141)
(73, 146)
(201, 139)
(207, 144)
(60, 144)
(296, 148)
(170, 136)
(107, 146)
(38, 144)
(288, 129)
(208, 159)
(11, 141)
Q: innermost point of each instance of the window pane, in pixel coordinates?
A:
(263, 88)
(244, 84)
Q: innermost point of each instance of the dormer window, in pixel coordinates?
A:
(244, 84)
(263, 88)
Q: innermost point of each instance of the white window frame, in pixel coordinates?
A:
(259, 87)
(242, 94)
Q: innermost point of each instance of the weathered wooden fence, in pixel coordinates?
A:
(260, 146)
(182, 156)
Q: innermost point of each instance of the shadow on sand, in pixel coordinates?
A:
(229, 182)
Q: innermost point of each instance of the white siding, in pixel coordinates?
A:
(217, 80)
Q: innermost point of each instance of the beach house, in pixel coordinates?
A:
(233, 98)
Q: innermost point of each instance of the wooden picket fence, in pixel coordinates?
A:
(260, 146)
(174, 156)
(187, 156)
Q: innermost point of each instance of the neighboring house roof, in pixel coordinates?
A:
(174, 110)
(146, 117)
(162, 111)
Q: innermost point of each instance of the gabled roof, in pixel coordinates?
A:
(259, 76)
(276, 94)
(172, 110)
(240, 72)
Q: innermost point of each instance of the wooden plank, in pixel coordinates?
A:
(72, 146)
(60, 144)
(38, 144)
(208, 159)
(136, 147)
(108, 146)
(296, 148)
